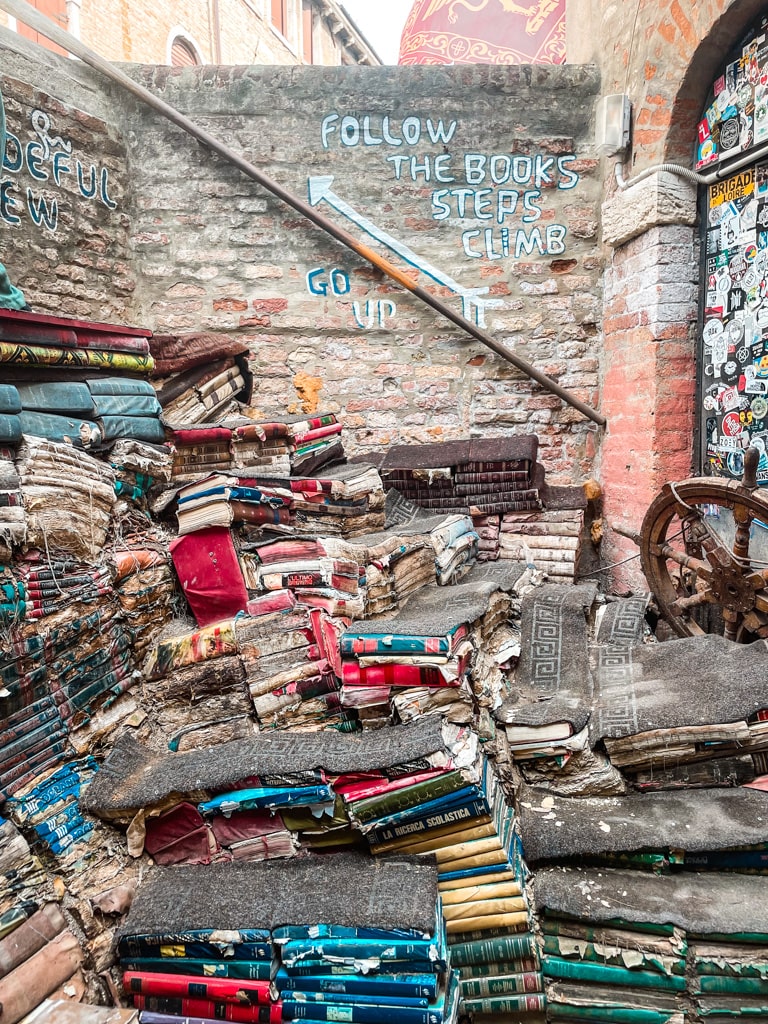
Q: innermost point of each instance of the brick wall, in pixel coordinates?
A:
(487, 175)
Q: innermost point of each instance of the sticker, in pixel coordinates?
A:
(730, 371)
(729, 134)
(736, 463)
(712, 330)
(759, 407)
(735, 332)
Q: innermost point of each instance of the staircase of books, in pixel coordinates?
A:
(286, 735)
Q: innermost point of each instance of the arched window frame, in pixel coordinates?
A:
(180, 34)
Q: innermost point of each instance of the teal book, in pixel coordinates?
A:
(242, 970)
(611, 954)
(492, 948)
(607, 1014)
(603, 974)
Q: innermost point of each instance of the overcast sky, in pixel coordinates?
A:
(381, 23)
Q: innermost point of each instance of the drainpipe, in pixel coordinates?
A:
(27, 14)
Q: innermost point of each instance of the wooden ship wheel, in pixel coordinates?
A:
(704, 552)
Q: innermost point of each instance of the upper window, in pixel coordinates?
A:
(182, 54)
(280, 16)
(55, 10)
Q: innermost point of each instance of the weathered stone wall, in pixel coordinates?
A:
(481, 178)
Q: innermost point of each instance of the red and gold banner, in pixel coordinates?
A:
(484, 32)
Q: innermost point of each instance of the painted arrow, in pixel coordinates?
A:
(473, 306)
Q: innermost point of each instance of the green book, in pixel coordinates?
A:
(504, 984)
(524, 965)
(551, 925)
(610, 953)
(506, 1004)
(607, 1014)
(404, 799)
(600, 974)
(492, 948)
(737, 986)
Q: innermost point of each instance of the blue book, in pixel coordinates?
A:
(360, 1013)
(462, 813)
(261, 797)
(321, 970)
(242, 970)
(410, 985)
(433, 808)
(361, 998)
(336, 931)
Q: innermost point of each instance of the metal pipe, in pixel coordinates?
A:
(27, 14)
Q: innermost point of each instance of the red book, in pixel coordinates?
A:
(267, 1014)
(186, 986)
(393, 675)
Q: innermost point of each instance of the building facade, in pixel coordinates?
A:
(182, 32)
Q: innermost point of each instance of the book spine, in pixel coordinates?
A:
(510, 984)
(358, 1013)
(407, 798)
(271, 1014)
(423, 986)
(475, 808)
(603, 974)
(492, 949)
(213, 989)
(722, 984)
(166, 947)
(525, 965)
(255, 970)
(506, 1004)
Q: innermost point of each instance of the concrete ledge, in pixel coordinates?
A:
(659, 199)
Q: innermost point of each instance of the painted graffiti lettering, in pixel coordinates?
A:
(428, 168)
(485, 204)
(352, 130)
(497, 245)
(375, 315)
(48, 159)
(323, 282)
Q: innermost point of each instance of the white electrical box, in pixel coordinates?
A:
(614, 116)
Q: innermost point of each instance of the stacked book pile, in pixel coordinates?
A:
(205, 395)
(52, 584)
(24, 885)
(448, 647)
(144, 583)
(60, 411)
(600, 967)
(199, 449)
(68, 495)
(315, 442)
(345, 501)
(263, 447)
(488, 529)
(320, 939)
(270, 783)
(731, 975)
(30, 341)
(126, 408)
(319, 572)
(13, 518)
(481, 877)
(137, 466)
(218, 500)
(200, 378)
(39, 957)
(549, 540)
(291, 668)
(478, 477)
(12, 603)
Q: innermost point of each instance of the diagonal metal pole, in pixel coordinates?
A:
(27, 14)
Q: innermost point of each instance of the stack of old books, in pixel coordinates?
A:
(287, 780)
(199, 449)
(219, 500)
(13, 518)
(315, 442)
(137, 466)
(291, 667)
(481, 878)
(68, 496)
(488, 531)
(487, 477)
(317, 570)
(261, 447)
(548, 540)
(607, 957)
(339, 937)
(439, 641)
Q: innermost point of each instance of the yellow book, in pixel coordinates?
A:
(480, 892)
(480, 827)
(461, 883)
(482, 860)
(482, 908)
(518, 921)
(458, 851)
